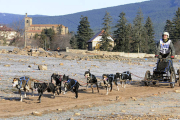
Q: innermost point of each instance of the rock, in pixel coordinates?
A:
(134, 98)
(29, 66)
(152, 65)
(123, 111)
(117, 97)
(112, 113)
(77, 114)
(99, 110)
(7, 65)
(177, 91)
(61, 64)
(42, 67)
(71, 118)
(59, 109)
(141, 104)
(4, 51)
(37, 113)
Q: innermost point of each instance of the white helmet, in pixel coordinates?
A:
(166, 33)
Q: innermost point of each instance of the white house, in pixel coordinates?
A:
(7, 33)
(95, 41)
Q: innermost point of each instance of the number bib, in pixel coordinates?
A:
(165, 47)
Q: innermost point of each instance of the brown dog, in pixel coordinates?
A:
(23, 83)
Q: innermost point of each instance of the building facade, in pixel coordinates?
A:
(94, 42)
(32, 29)
(7, 34)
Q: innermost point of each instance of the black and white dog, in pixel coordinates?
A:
(71, 84)
(123, 77)
(23, 84)
(91, 79)
(42, 87)
(108, 79)
(57, 81)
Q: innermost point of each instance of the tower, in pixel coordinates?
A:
(28, 23)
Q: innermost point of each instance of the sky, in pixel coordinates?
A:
(57, 7)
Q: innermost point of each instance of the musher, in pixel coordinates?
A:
(165, 48)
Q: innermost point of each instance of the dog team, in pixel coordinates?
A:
(24, 83)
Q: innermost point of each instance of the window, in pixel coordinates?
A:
(27, 21)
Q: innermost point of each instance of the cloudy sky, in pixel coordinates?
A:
(57, 7)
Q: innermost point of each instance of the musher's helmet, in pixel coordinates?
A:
(165, 33)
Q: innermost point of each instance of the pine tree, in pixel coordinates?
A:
(150, 43)
(73, 42)
(129, 39)
(84, 33)
(169, 27)
(138, 29)
(120, 34)
(105, 43)
(176, 22)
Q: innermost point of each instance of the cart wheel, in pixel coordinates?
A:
(172, 79)
(154, 83)
(147, 75)
(178, 72)
(172, 85)
(146, 83)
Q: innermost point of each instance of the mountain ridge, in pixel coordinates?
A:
(158, 10)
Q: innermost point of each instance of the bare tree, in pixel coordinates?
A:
(61, 41)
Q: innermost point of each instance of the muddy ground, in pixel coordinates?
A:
(136, 101)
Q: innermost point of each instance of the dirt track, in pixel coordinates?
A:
(10, 106)
(86, 98)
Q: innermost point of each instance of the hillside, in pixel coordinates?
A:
(158, 10)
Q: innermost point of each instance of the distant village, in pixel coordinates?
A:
(8, 34)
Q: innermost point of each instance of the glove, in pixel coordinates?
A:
(156, 56)
(172, 57)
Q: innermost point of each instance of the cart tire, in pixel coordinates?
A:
(172, 79)
(147, 75)
(146, 83)
(178, 72)
(154, 83)
(172, 85)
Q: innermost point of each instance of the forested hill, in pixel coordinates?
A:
(158, 10)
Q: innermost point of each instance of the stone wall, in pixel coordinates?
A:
(122, 54)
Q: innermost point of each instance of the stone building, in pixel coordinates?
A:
(32, 29)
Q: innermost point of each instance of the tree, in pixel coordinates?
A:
(84, 33)
(176, 22)
(120, 35)
(105, 43)
(73, 41)
(150, 43)
(138, 29)
(47, 36)
(129, 35)
(169, 27)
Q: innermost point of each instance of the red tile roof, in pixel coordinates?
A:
(45, 25)
(5, 28)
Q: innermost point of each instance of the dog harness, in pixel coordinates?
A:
(23, 78)
(73, 85)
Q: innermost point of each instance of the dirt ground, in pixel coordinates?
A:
(136, 101)
(12, 108)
